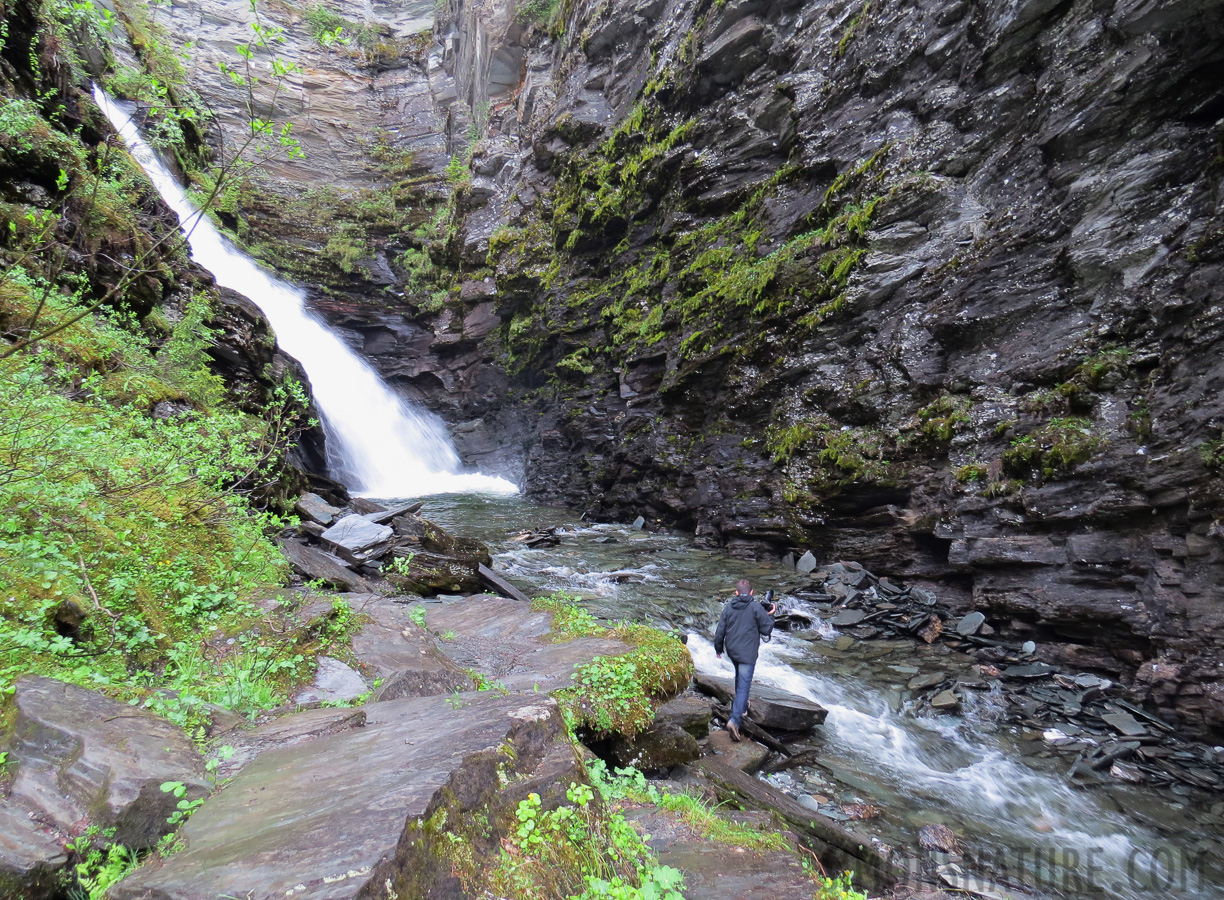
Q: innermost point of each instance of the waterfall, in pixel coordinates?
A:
(384, 446)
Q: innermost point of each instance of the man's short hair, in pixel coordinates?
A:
(743, 586)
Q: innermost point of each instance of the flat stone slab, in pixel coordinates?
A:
(322, 820)
(285, 731)
(770, 707)
(746, 755)
(354, 535)
(396, 651)
(506, 640)
(714, 871)
(333, 681)
(316, 509)
(81, 757)
(323, 566)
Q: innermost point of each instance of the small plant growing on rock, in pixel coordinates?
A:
(184, 807)
(1057, 447)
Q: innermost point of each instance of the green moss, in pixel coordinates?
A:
(944, 418)
(970, 473)
(1055, 448)
(852, 29)
(618, 694)
(1212, 454)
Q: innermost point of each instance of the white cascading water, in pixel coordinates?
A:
(386, 449)
(1042, 825)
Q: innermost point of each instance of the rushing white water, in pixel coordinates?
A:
(384, 447)
(1042, 830)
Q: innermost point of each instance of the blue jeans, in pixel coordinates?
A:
(743, 683)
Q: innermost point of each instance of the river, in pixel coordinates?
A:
(1026, 829)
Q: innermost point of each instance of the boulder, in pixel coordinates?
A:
(356, 539)
(770, 707)
(354, 814)
(81, 757)
(688, 711)
(806, 563)
(660, 746)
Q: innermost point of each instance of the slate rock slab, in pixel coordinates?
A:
(354, 536)
(83, 757)
(316, 509)
(340, 816)
(333, 681)
(508, 641)
(660, 746)
(717, 871)
(323, 566)
(971, 623)
(688, 711)
(770, 707)
(746, 755)
(849, 617)
(393, 648)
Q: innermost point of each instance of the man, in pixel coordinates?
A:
(741, 628)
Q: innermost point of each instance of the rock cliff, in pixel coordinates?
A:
(935, 287)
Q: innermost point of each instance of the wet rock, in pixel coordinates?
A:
(78, 756)
(689, 712)
(1032, 670)
(716, 871)
(971, 623)
(945, 700)
(849, 617)
(357, 539)
(364, 506)
(395, 650)
(510, 642)
(746, 755)
(843, 642)
(939, 838)
(922, 682)
(770, 707)
(316, 509)
(1127, 772)
(383, 516)
(806, 563)
(931, 631)
(1124, 724)
(297, 816)
(31, 856)
(320, 565)
(333, 682)
(661, 746)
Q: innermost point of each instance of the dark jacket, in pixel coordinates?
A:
(741, 628)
